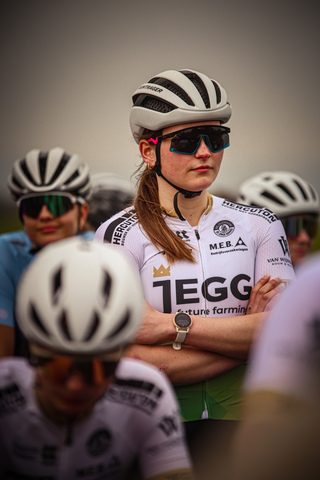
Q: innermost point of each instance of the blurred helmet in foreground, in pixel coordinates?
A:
(79, 297)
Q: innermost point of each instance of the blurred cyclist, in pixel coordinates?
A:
(293, 200)
(110, 193)
(80, 410)
(50, 190)
(279, 435)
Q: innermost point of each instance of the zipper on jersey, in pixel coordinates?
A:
(197, 234)
(68, 434)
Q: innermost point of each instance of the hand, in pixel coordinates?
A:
(264, 294)
(156, 327)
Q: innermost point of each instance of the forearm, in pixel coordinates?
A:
(185, 366)
(231, 336)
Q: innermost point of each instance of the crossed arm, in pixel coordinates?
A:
(214, 345)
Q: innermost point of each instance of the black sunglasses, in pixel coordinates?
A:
(59, 368)
(188, 140)
(294, 225)
(58, 203)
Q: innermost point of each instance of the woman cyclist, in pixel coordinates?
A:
(50, 190)
(203, 261)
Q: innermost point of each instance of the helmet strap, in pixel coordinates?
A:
(185, 193)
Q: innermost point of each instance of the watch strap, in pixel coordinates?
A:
(180, 338)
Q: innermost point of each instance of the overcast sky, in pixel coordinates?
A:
(68, 69)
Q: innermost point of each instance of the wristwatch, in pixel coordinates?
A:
(182, 321)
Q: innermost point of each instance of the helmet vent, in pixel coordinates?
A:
(152, 103)
(287, 191)
(305, 196)
(313, 194)
(200, 86)
(37, 321)
(174, 88)
(56, 287)
(122, 324)
(106, 288)
(43, 160)
(73, 177)
(16, 183)
(63, 162)
(268, 195)
(25, 170)
(63, 323)
(218, 91)
(93, 327)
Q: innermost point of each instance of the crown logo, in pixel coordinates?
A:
(161, 271)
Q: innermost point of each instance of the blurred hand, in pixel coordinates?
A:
(265, 295)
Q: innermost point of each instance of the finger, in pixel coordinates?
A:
(256, 288)
(270, 297)
(257, 300)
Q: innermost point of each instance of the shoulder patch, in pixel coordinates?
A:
(117, 230)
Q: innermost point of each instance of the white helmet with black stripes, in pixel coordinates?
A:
(79, 297)
(284, 193)
(176, 97)
(55, 170)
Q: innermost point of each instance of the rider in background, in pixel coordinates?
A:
(77, 409)
(50, 191)
(294, 200)
(110, 193)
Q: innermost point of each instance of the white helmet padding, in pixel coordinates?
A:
(79, 297)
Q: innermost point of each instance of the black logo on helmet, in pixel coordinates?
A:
(224, 228)
(99, 442)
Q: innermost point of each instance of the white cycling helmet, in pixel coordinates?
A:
(110, 193)
(173, 97)
(54, 170)
(284, 193)
(79, 297)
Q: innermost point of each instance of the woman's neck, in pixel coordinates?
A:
(190, 208)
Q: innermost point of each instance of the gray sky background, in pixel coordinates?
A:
(68, 69)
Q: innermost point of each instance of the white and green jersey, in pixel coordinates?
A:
(234, 246)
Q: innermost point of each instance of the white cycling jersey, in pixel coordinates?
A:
(234, 246)
(137, 419)
(286, 357)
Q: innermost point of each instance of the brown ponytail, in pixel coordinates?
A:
(150, 215)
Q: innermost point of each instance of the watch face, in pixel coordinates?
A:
(183, 320)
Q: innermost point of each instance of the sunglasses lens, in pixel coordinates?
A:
(58, 369)
(188, 140)
(57, 204)
(293, 226)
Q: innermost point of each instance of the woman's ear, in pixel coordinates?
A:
(148, 153)
(83, 215)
